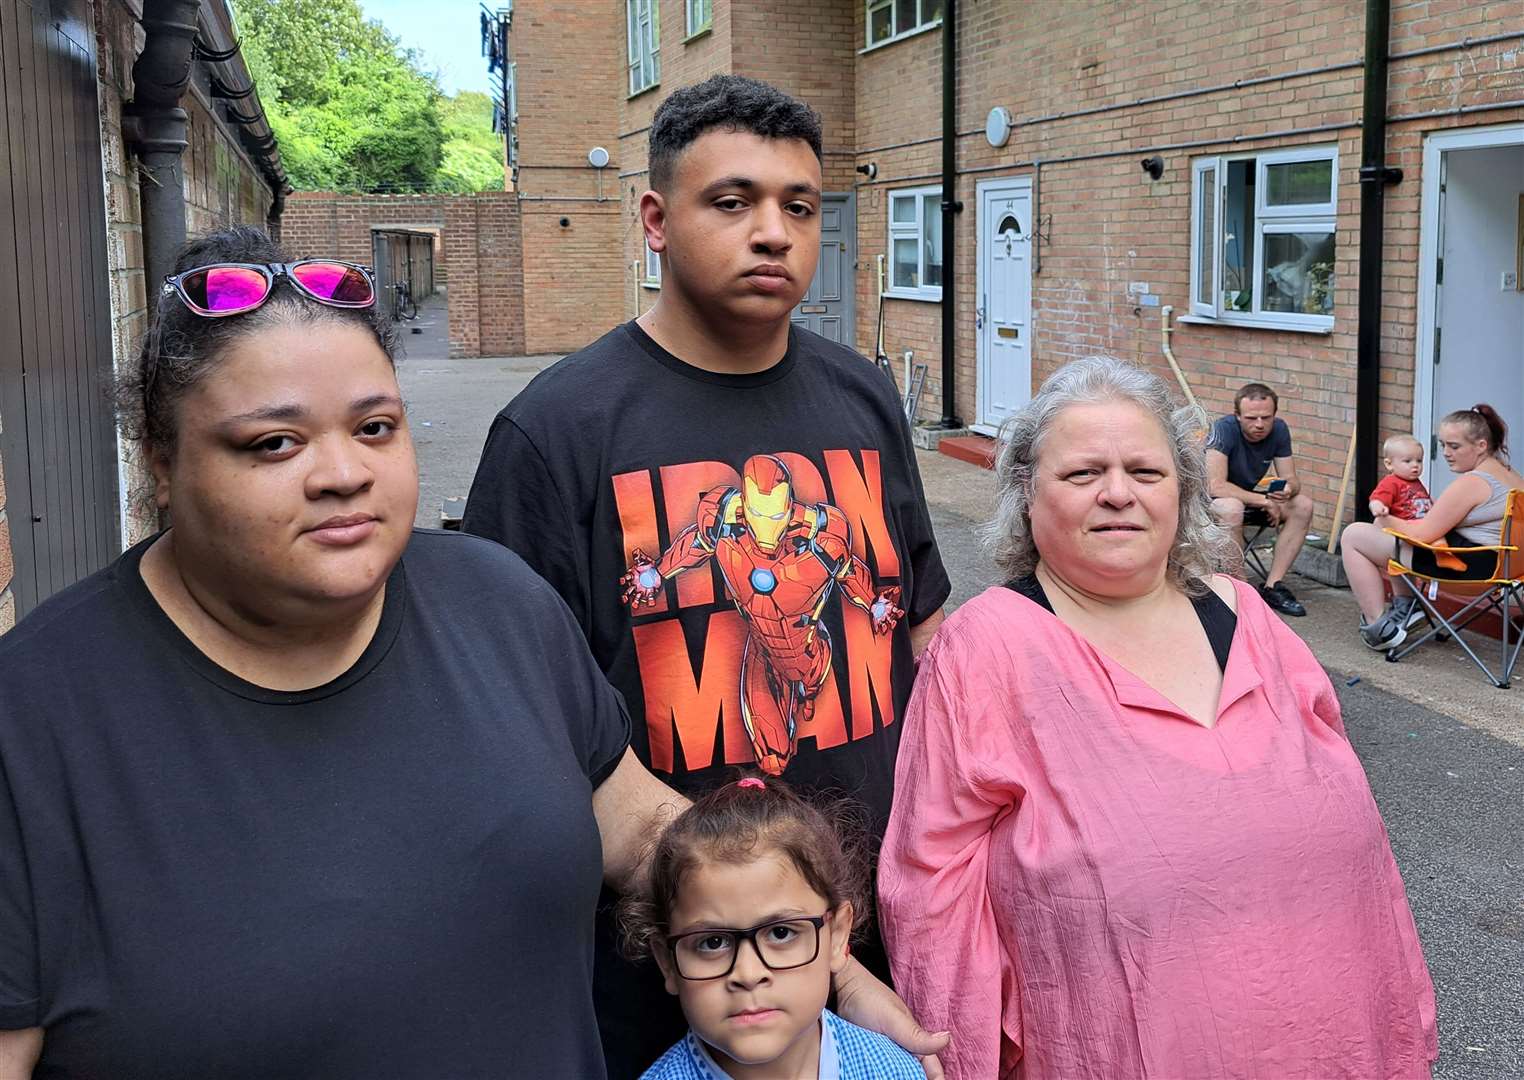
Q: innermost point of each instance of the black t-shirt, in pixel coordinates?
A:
(392, 875)
(1248, 461)
(623, 447)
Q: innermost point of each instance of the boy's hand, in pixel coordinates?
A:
(1379, 508)
(863, 1000)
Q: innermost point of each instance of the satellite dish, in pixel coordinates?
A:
(597, 157)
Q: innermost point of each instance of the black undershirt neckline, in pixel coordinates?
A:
(1217, 619)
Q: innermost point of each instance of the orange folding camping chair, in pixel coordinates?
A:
(1500, 591)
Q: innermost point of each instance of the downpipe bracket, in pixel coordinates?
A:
(1380, 174)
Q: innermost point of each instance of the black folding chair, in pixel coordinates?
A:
(1256, 525)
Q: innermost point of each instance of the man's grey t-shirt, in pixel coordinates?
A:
(1248, 461)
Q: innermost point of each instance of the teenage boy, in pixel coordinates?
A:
(729, 505)
(1240, 449)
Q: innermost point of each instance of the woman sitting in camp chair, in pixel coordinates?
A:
(1468, 514)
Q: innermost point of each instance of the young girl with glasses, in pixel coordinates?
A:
(752, 898)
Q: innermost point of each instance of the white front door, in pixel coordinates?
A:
(1004, 314)
(1471, 323)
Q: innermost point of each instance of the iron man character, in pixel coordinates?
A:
(781, 561)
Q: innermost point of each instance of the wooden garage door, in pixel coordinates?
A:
(57, 441)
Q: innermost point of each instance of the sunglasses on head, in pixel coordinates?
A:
(223, 289)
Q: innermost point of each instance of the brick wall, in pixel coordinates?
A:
(480, 250)
(1110, 225)
(570, 71)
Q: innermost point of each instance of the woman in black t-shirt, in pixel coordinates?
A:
(276, 798)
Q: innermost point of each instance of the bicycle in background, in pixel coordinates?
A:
(403, 304)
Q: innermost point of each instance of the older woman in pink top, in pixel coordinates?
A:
(1129, 836)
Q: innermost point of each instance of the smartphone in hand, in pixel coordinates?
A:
(1276, 485)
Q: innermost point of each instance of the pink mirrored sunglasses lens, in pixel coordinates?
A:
(334, 281)
(226, 288)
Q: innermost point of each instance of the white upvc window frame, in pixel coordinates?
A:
(699, 15)
(650, 271)
(643, 41)
(896, 31)
(912, 230)
(1268, 221)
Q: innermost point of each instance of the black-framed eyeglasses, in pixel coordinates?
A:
(780, 945)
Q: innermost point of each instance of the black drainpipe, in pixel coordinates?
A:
(156, 130)
(1374, 176)
(950, 207)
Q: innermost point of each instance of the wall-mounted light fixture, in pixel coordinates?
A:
(1153, 166)
(997, 126)
(869, 170)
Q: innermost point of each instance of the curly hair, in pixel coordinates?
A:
(737, 824)
(181, 347)
(730, 103)
(1201, 547)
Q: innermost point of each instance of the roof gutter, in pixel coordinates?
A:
(233, 86)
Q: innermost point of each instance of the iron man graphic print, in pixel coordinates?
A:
(781, 561)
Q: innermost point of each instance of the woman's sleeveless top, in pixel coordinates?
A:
(1484, 524)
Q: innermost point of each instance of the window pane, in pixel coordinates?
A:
(1298, 182)
(1206, 242)
(880, 24)
(904, 15)
(904, 266)
(902, 209)
(1238, 237)
(931, 9)
(1299, 273)
(931, 230)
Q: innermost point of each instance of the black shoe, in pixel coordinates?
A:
(1279, 597)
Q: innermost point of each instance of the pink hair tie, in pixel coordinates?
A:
(752, 782)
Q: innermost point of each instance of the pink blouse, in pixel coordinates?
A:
(1079, 881)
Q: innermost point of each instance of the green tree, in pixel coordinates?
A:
(351, 109)
(473, 153)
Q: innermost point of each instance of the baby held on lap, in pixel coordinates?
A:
(1401, 496)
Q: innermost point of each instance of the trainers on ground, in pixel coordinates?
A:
(1385, 633)
(1279, 597)
(1406, 610)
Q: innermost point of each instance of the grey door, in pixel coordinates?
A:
(828, 307)
(57, 434)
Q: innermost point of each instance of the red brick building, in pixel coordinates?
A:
(1065, 245)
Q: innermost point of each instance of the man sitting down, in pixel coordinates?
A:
(1240, 449)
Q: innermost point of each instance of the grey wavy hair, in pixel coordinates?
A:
(1201, 547)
